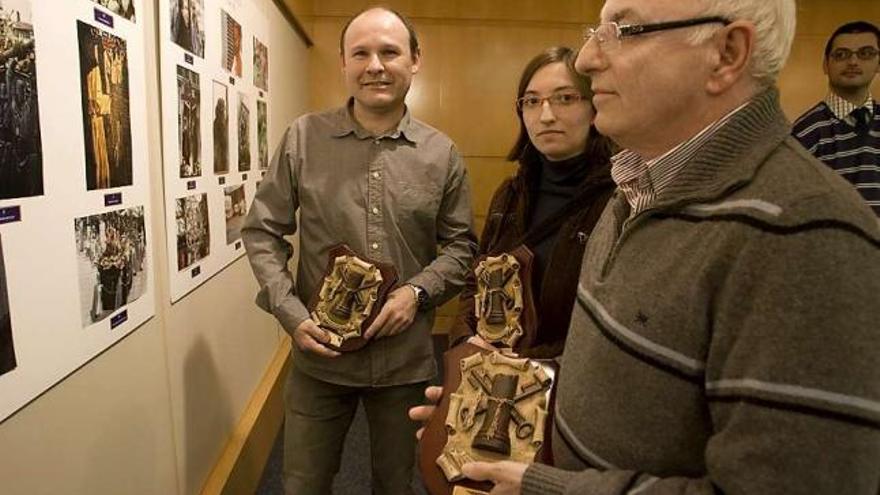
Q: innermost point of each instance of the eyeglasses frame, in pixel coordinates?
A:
(630, 30)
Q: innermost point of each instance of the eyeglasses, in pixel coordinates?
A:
(557, 100)
(609, 34)
(863, 53)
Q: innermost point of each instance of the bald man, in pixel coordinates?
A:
(394, 189)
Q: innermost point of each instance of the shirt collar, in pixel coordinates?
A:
(841, 108)
(652, 176)
(407, 128)
(628, 165)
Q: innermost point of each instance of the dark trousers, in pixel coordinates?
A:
(318, 416)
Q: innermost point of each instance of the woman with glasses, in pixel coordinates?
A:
(552, 202)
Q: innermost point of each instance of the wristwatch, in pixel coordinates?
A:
(421, 296)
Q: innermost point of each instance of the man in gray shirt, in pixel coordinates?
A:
(393, 189)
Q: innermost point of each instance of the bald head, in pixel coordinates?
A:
(379, 12)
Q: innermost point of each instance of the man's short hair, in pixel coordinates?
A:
(413, 38)
(854, 27)
(774, 22)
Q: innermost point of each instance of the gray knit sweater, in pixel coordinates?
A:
(726, 340)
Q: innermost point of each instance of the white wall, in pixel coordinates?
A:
(152, 414)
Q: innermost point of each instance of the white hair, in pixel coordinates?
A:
(774, 22)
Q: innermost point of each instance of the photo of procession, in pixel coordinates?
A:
(111, 253)
(105, 105)
(21, 156)
(187, 25)
(236, 208)
(124, 8)
(193, 229)
(189, 122)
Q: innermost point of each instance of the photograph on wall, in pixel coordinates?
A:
(236, 209)
(124, 8)
(105, 105)
(221, 129)
(262, 135)
(189, 126)
(244, 134)
(193, 230)
(230, 33)
(7, 351)
(261, 65)
(188, 25)
(21, 156)
(111, 251)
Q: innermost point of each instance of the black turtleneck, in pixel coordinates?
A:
(558, 184)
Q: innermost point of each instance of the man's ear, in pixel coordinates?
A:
(736, 45)
(417, 62)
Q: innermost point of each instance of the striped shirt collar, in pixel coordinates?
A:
(641, 181)
(841, 108)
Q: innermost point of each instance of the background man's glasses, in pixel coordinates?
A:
(863, 53)
(556, 100)
(609, 34)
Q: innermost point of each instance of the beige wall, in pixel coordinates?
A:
(473, 53)
(152, 414)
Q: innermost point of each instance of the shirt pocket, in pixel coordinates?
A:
(416, 203)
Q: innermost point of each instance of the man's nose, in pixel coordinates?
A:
(589, 57)
(375, 64)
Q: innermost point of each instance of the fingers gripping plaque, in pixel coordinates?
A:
(497, 413)
(352, 292)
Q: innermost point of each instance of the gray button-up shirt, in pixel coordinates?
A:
(401, 198)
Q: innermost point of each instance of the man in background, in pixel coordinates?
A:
(843, 130)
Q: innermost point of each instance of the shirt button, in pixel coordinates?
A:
(375, 175)
(375, 211)
(374, 246)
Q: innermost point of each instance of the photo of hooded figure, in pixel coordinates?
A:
(7, 351)
(105, 105)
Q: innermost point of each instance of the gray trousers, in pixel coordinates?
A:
(318, 416)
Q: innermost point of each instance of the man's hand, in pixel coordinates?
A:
(506, 475)
(396, 315)
(479, 342)
(423, 413)
(309, 337)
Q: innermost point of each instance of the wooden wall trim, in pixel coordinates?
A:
(241, 464)
(293, 20)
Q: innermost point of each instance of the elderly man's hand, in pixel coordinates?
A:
(423, 413)
(506, 475)
(309, 337)
(479, 342)
(396, 315)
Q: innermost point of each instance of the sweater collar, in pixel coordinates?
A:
(733, 155)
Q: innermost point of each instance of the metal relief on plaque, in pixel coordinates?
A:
(347, 297)
(497, 413)
(499, 300)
